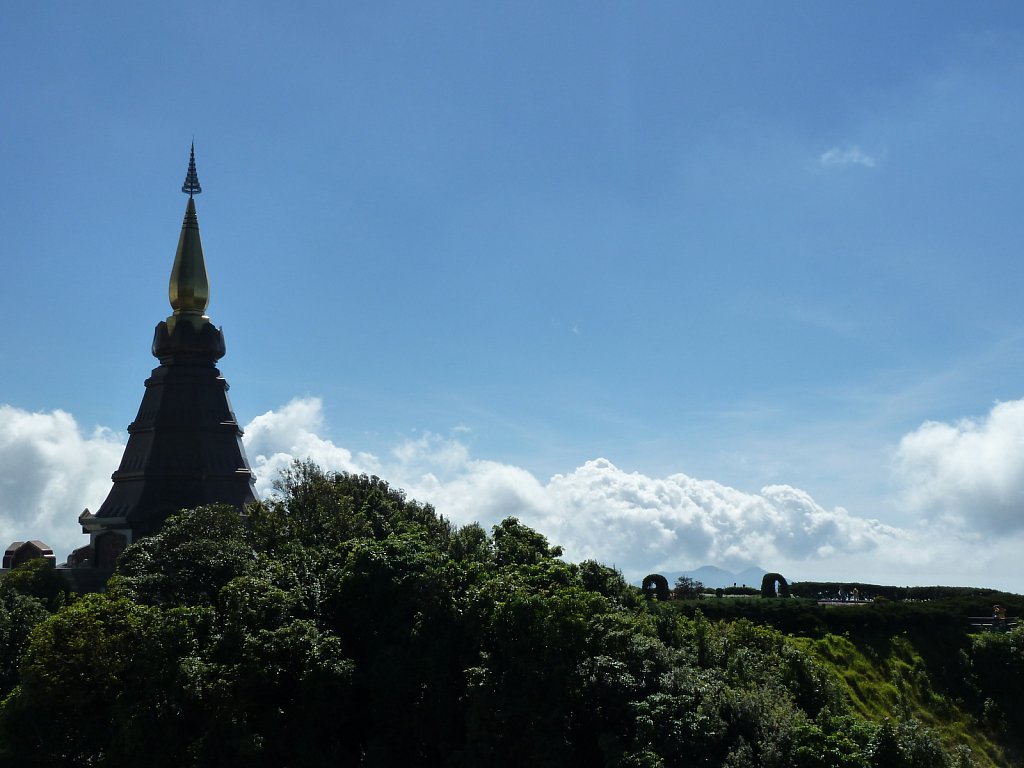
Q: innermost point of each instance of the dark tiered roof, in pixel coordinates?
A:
(184, 447)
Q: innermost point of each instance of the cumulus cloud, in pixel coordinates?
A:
(965, 479)
(641, 522)
(277, 438)
(969, 473)
(599, 511)
(847, 155)
(49, 472)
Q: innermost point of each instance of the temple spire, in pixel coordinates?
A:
(189, 289)
(185, 446)
(191, 185)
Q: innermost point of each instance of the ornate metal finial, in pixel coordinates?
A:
(189, 288)
(191, 185)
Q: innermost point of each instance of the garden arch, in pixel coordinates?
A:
(768, 585)
(655, 585)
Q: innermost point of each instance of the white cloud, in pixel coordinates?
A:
(275, 439)
(969, 473)
(847, 155)
(49, 472)
(639, 523)
(967, 479)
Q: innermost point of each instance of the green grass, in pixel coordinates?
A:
(890, 678)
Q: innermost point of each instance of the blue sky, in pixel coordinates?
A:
(504, 252)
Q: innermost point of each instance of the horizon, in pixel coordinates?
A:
(672, 285)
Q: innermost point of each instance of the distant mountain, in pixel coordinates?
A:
(712, 577)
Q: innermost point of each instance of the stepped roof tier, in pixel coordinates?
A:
(184, 447)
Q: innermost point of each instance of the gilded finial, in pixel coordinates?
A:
(189, 289)
(191, 185)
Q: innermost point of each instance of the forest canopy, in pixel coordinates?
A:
(340, 623)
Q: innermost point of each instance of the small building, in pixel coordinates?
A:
(22, 551)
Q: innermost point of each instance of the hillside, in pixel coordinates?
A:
(343, 624)
(915, 661)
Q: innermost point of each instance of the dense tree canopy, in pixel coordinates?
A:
(340, 623)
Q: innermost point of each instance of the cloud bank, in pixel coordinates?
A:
(277, 438)
(964, 480)
(49, 472)
(969, 473)
(637, 522)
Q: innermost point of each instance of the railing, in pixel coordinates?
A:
(992, 624)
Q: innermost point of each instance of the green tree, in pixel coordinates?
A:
(37, 578)
(83, 676)
(187, 562)
(687, 588)
(517, 544)
(19, 613)
(340, 623)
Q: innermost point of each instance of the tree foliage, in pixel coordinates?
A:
(340, 623)
(687, 588)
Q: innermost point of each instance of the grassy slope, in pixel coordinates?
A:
(892, 659)
(897, 683)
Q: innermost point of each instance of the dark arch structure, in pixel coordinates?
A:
(655, 585)
(768, 585)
